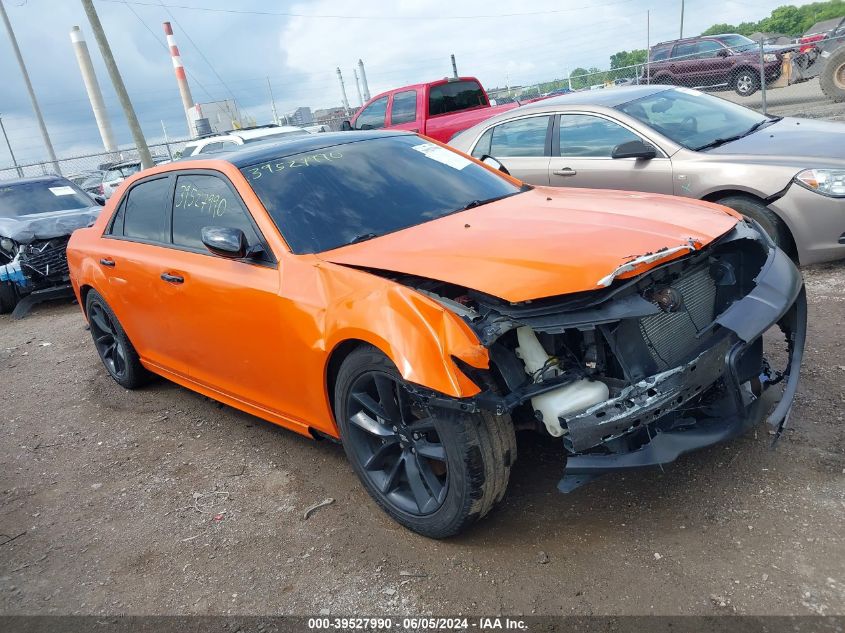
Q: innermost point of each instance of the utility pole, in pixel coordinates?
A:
(648, 47)
(11, 153)
(454, 67)
(44, 135)
(92, 87)
(682, 19)
(273, 102)
(117, 81)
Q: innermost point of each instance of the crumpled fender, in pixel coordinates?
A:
(418, 334)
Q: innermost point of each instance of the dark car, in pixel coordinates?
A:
(730, 61)
(37, 216)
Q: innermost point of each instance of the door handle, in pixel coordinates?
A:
(566, 171)
(172, 279)
(106, 261)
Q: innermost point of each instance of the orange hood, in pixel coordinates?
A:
(544, 242)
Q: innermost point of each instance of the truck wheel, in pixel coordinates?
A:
(756, 210)
(832, 78)
(113, 346)
(746, 82)
(434, 471)
(9, 297)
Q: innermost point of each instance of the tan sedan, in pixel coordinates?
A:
(786, 173)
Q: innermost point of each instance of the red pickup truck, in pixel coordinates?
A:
(439, 109)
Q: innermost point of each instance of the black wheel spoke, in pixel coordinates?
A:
(392, 478)
(422, 497)
(370, 425)
(101, 322)
(431, 481)
(431, 450)
(404, 401)
(366, 401)
(377, 459)
(386, 388)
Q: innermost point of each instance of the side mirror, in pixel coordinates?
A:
(492, 162)
(100, 200)
(634, 149)
(723, 52)
(225, 241)
(345, 126)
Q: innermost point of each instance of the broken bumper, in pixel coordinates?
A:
(777, 298)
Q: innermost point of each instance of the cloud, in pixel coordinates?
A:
(300, 54)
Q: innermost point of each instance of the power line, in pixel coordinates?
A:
(289, 14)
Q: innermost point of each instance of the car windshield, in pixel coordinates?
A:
(691, 118)
(355, 191)
(28, 198)
(737, 42)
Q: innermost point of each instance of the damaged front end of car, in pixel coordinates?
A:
(647, 368)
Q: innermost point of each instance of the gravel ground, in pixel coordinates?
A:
(161, 501)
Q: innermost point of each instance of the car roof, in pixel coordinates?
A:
(610, 98)
(32, 179)
(272, 149)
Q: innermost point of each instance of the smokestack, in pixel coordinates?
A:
(454, 67)
(358, 87)
(343, 91)
(95, 96)
(364, 85)
(181, 79)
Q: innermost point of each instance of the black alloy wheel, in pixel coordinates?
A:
(106, 340)
(397, 444)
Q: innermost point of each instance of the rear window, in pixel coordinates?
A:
(354, 191)
(41, 197)
(455, 96)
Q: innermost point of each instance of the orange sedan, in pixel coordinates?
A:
(420, 306)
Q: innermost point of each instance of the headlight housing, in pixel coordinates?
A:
(828, 182)
(770, 57)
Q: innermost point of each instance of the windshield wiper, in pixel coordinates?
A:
(477, 203)
(363, 237)
(721, 141)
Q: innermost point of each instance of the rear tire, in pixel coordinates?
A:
(832, 78)
(746, 82)
(460, 463)
(757, 210)
(113, 346)
(9, 297)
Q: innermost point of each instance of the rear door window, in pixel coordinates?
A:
(404, 108)
(455, 96)
(146, 211)
(203, 200)
(372, 117)
(523, 137)
(685, 51)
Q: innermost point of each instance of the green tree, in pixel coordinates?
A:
(578, 79)
(623, 59)
(787, 19)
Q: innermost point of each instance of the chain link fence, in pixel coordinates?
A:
(76, 166)
(793, 80)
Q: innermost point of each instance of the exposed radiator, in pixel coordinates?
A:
(45, 258)
(671, 336)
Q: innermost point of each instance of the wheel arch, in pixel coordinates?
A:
(721, 194)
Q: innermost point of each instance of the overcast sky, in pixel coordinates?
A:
(401, 42)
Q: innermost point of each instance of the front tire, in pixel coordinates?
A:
(434, 471)
(759, 212)
(746, 82)
(9, 297)
(113, 346)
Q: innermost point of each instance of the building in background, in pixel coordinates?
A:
(222, 116)
(301, 117)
